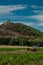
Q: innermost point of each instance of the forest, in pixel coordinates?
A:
(21, 41)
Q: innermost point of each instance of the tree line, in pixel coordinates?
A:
(20, 41)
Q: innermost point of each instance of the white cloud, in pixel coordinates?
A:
(38, 11)
(28, 24)
(1, 23)
(40, 24)
(25, 23)
(37, 17)
(9, 8)
(36, 6)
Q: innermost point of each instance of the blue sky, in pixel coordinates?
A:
(29, 12)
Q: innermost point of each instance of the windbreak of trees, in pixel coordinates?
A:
(20, 41)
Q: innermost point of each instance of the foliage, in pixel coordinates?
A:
(14, 49)
(9, 29)
(22, 59)
(21, 41)
(20, 34)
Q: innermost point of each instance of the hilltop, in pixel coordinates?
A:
(18, 29)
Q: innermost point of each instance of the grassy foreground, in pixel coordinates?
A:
(22, 59)
(33, 58)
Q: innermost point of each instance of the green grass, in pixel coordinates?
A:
(40, 49)
(12, 49)
(21, 59)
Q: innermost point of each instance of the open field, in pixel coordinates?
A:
(21, 59)
(13, 48)
(10, 55)
(18, 50)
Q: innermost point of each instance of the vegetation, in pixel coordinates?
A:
(20, 34)
(19, 28)
(22, 59)
(9, 28)
(12, 49)
(21, 41)
(32, 58)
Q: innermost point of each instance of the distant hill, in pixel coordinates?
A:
(18, 29)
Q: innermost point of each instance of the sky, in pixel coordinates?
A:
(29, 12)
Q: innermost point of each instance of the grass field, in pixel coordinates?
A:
(32, 58)
(13, 48)
(21, 59)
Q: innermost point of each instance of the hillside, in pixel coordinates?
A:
(18, 29)
(20, 34)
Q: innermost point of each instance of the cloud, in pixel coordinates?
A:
(34, 6)
(40, 24)
(38, 11)
(9, 8)
(25, 23)
(33, 24)
(28, 24)
(37, 17)
(1, 23)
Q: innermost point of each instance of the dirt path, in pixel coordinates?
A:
(13, 52)
(20, 52)
(17, 51)
(3, 46)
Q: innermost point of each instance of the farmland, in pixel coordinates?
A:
(13, 48)
(22, 58)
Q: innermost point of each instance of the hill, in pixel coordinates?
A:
(18, 29)
(20, 34)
